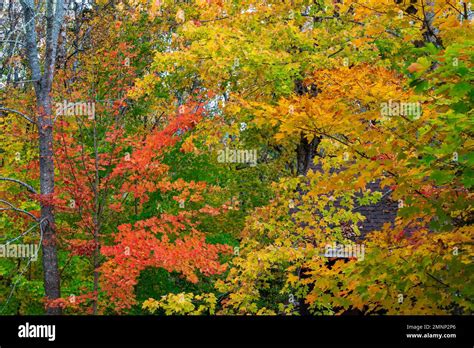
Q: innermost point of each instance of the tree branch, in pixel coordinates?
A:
(18, 113)
(28, 187)
(13, 208)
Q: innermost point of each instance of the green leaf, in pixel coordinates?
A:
(460, 89)
(441, 177)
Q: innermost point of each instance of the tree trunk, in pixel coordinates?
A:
(97, 225)
(305, 152)
(43, 83)
(50, 259)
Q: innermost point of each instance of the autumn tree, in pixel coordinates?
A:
(41, 62)
(327, 72)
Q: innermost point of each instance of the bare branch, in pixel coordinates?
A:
(18, 113)
(24, 233)
(21, 273)
(28, 187)
(13, 208)
(13, 41)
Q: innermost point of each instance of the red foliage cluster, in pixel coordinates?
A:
(138, 247)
